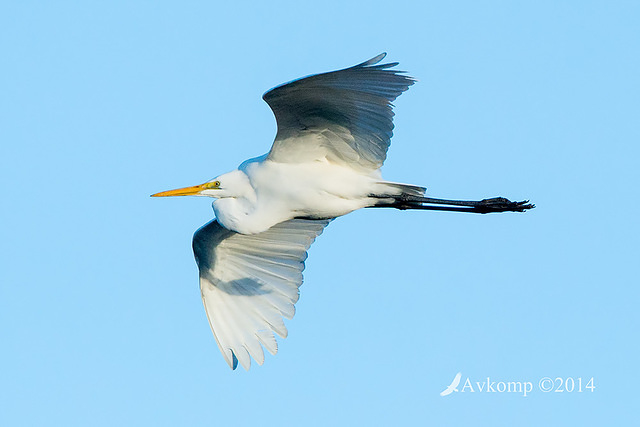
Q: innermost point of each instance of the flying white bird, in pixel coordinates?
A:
(334, 130)
(453, 386)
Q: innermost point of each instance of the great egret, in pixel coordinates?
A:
(334, 130)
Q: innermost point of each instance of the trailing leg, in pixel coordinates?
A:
(496, 204)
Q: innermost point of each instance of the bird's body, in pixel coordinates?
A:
(316, 189)
(453, 386)
(334, 130)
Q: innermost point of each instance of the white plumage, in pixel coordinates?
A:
(334, 130)
(249, 282)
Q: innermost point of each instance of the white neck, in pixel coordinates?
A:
(236, 213)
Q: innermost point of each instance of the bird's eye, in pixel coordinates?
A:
(216, 183)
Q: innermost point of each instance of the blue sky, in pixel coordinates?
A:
(100, 312)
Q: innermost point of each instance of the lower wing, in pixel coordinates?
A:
(249, 282)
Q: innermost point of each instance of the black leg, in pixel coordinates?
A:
(496, 204)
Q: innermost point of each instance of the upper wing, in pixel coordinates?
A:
(344, 116)
(248, 282)
(456, 380)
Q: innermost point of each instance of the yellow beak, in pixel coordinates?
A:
(186, 191)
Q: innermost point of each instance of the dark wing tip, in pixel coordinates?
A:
(235, 360)
(373, 60)
(371, 63)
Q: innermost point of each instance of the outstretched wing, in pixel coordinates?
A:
(248, 282)
(453, 386)
(344, 116)
(446, 392)
(456, 380)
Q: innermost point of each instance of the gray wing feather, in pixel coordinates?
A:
(345, 116)
(249, 282)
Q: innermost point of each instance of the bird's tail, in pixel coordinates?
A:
(397, 190)
(397, 195)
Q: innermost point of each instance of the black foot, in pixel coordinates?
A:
(500, 204)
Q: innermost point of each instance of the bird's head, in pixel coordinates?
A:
(232, 184)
